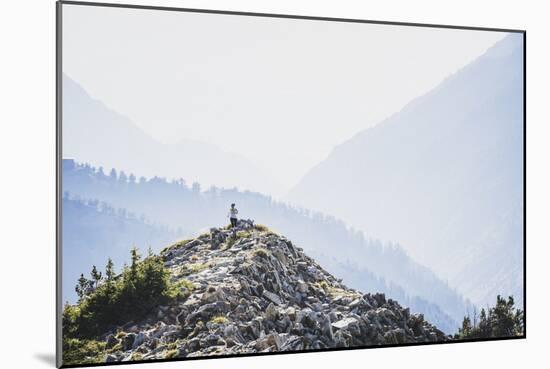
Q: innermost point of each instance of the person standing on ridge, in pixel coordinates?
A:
(233, 215)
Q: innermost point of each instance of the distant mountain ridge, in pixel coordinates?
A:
(443, 177)
(94, 133)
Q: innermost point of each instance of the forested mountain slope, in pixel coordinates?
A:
(192, 211)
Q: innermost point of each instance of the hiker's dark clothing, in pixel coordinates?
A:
(233, 216)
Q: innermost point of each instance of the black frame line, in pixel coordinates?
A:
(59, 149)
(287, 16)
(58, 182)
(233, 356)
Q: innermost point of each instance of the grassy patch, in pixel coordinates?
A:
(243, 234)
(193, 268)
(137, 356)
(184, 283)
(77, 351)
(181, 289)
(229, 242)
(261, 252)
(120, 335)
(261, 228)
(198, 267)
(176, 245)
(220, 319)
(324, 285)
(115, 348)
(170, 354)
(332, 291)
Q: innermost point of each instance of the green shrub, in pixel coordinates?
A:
(184, 284)
(142, 286)
(71, 315)
(77, 351)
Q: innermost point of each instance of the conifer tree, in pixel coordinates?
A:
(110, 270)
(113, 175)
(135, 258)
(122, 177)
(503, 317)
(466, 326)
(96, 276)
(83, 287)
(502, 320)
(484, 329)
(143, 285)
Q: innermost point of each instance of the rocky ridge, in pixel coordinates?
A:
(252, 291)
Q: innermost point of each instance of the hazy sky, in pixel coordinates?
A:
(280, 92)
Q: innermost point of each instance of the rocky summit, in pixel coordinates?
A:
(254, 291)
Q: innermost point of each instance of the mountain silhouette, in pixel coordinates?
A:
(94, 133)
(443, 177)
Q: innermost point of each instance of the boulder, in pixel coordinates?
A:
(271, 312)
(307, 318)
(110, 358)
(275, 340)
(111, 341)
(128, 341)
(138, 340)
(272, 297)
(193, 243)
(344, 323)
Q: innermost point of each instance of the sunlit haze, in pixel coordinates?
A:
(280, 92)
